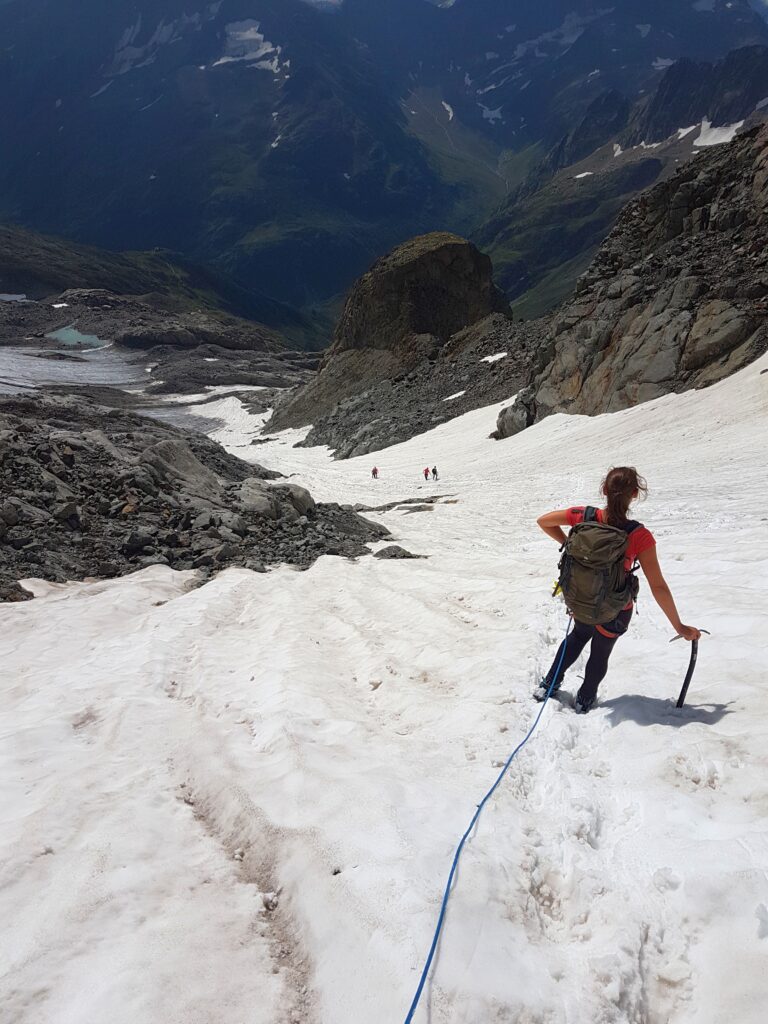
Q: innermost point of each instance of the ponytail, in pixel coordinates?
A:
(620, 487)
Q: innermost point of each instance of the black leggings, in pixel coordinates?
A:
(599, 653)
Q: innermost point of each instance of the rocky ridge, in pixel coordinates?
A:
(398, 319)
(156, 283)
(92, 492)
(545, 232)
(482, 364)
(676, 298)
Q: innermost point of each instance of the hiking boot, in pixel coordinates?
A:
(583, 705)
(542, 690)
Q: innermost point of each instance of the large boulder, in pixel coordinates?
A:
(397, 316)
(514, 418)
(175, 463)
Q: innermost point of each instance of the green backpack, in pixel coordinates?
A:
(593, 580)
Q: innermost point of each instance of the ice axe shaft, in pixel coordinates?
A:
(689, 673)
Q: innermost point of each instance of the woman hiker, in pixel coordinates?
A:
(583, 596)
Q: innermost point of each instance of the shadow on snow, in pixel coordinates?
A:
(654, 711)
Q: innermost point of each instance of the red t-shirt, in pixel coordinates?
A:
(640, 539)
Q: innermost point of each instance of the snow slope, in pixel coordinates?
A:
(239, 803)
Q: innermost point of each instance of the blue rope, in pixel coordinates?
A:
(478, 812)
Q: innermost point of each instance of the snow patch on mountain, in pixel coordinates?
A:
(560, 38)
(716, 136)
(129, 54)
(490, 115)
(246, 43)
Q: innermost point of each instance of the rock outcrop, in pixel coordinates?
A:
(676, 298)
(401, 313)
(483, 364)
(92, 492)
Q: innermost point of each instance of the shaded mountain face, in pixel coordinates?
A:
(289, 143)
(38, 266)
(256, 134)
(544, 233)
(523, 72)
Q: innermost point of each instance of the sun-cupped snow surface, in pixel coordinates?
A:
(239, 802)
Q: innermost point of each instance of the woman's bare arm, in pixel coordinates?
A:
(552, 524)
(649, 563)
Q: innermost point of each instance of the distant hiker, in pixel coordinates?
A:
(375, 472)
(598, 581)
(426, 472)
(434, 472)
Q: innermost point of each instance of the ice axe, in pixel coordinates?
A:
(691, 666)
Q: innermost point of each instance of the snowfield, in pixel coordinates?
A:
(239, 803)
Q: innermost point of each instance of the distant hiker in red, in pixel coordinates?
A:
(598, 582)
(426, 472)
(375, 473)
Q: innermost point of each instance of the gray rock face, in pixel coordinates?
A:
(676, 298)
(92, 492)
(401, 313)
(485, 363)
(174, 463)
